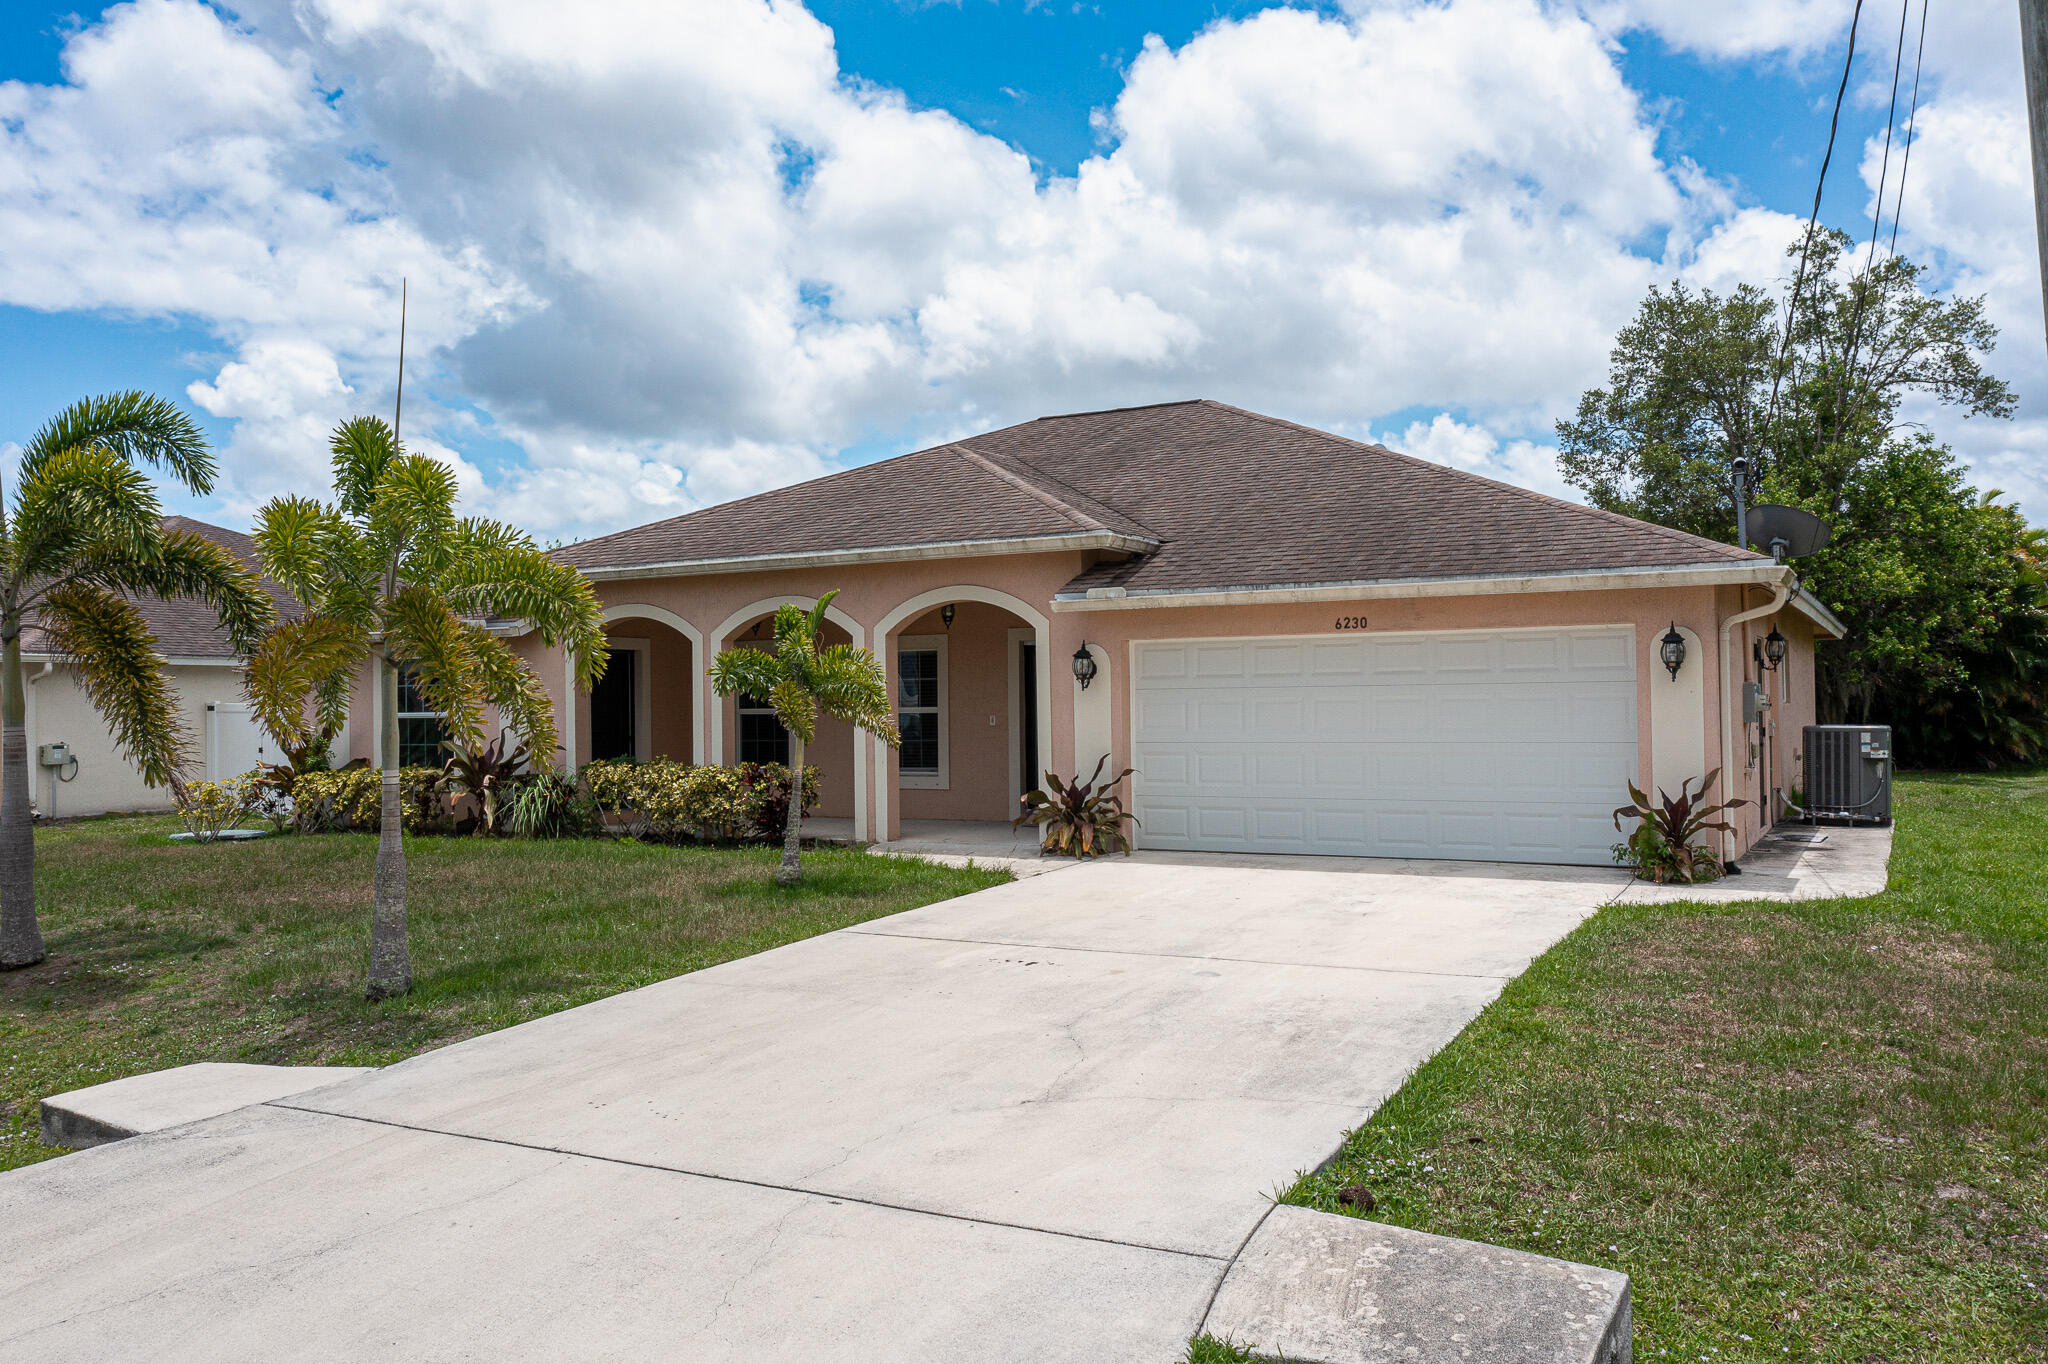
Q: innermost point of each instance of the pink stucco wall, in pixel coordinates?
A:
(879, 603)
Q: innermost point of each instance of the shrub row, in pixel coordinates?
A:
(663, 800)
(671, 801)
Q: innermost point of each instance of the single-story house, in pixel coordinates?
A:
(93, 777)
(1301, 643)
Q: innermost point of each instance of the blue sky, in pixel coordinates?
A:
(979, 210)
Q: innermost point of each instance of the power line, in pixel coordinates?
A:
(1862, 287)
(1912, 131)
(1806, 244)
(1884, 165)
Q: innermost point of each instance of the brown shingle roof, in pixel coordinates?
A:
(949, 492)
(185, 628)
(1232, 498)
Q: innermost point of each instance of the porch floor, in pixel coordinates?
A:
(961, 837)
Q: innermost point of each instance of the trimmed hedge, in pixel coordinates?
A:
(663, 800)
(350, 797)
(674, 802)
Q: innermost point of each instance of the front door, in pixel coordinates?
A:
(1027, 718)
(611, 708)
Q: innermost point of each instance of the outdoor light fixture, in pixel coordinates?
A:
(1773, 648)
(1672, 650)
(946, 614)
(1084, 667)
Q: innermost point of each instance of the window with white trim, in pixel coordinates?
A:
(421, 729)
(921, 711)
(762, 737)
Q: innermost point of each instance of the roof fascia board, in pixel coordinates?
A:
(1809, 606)
(1600, 579)
(942, 549)
(170, 660)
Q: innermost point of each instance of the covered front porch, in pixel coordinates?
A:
(964, 666)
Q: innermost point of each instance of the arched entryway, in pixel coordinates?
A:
(648, 703)
(972, 686)
(745, 729)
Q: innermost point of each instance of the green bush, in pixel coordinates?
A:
(350, 798)
(672, 802)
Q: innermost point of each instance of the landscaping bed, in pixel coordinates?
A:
(163, 954)
(1807, 1131)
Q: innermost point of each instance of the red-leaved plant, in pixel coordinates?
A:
(1078, 818)
(1663, 847)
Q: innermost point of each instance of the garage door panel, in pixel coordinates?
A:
(1166, 769)
(1341, 769)
(1161, 661)
(1604, 653)
(1277, 660)
(1531, 655)
(1337, 717)
(1219, 661)
(1395, 659)
(1280, 771)
(1397, 711)
(1465, 770)
(1407, 771)
(1469, 656)
(1476, 744)
(1279, 717)
(1600, 711)
(1400, 833)
(1163, 717)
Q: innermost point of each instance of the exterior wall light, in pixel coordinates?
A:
(1084, 667)
(1671, 649)
(1774, 648)
(946, 614)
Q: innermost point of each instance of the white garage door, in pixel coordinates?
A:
(1495, 745)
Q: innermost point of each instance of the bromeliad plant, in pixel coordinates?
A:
(485, 772)
(1663, 846)
(1078, 818)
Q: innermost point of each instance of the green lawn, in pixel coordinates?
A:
(1807, 1132)
(164, 953)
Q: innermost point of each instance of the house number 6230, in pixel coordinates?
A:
(1351, 622)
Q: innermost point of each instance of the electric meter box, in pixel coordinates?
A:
(53, 755)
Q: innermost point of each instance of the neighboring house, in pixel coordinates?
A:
(207, 674)
(1303, 643)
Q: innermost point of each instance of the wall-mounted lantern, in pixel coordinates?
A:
(1773, 649)
(946, 614)
(1672, 650)
(1084, 667)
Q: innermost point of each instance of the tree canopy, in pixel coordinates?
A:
(1944, 601)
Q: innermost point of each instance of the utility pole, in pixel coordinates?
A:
(2034, 52)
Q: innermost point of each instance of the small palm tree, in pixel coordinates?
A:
(388, 574)
(83, 538)
(800, 679)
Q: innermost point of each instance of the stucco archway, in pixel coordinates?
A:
(715, 708)
(660, 615)
(925, 601)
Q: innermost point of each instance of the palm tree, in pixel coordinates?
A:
(83, 538)
(389, 576)
(800, 679)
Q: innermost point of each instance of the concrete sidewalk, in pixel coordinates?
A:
(1033, 1124)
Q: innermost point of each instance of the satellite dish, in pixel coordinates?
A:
(1787, 532)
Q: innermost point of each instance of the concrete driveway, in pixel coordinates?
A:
(1032, 1124)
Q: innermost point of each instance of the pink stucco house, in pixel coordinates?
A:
(1302, 643)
